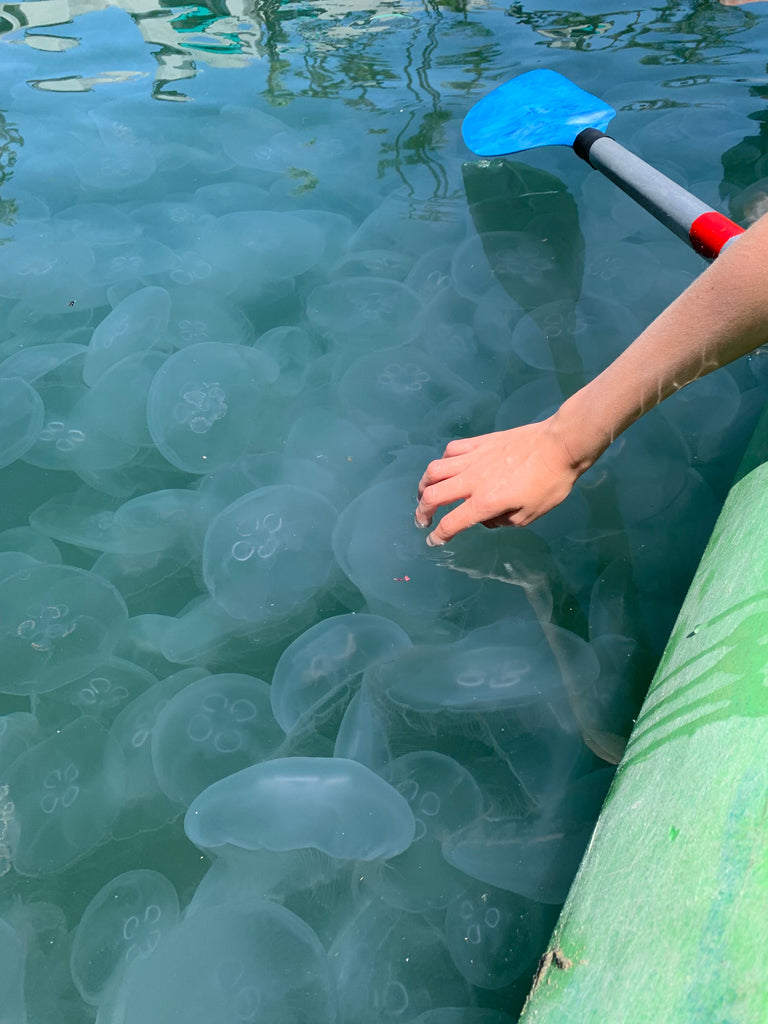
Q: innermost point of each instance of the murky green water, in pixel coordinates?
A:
(251, 283)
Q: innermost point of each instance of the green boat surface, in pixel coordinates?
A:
(667, 918)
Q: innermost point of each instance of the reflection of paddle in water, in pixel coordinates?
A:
(734, 683)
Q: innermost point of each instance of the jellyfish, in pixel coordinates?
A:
(136, 324)
(367, 312)
(101, 693)
(269, 552)
(124, 923)
(391, 966)
(67, 791)
(208, 404)
(330, 804)
(21, 418)
(211, 729)
(327, 658)
(495, 936)
(57, 622)
(247, 960)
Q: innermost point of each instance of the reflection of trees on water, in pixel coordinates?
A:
(680, 32)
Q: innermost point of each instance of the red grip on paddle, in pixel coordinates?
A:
(710, 232)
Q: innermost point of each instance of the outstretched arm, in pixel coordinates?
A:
(511, 477)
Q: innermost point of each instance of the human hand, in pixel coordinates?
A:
(507, 478)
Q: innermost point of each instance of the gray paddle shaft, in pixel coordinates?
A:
(676, 208)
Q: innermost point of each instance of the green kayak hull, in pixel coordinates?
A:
(667, 918)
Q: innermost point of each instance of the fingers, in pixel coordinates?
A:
(440, 469)
(435, 495)
(454, 522)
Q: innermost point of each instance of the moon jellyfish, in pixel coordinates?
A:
(124, 386)
(102, 693)
(25, 540)
(327, 658)
(208, 404)
(133, 262)
(245, 961)
(294, 351)
(269, 552)
(57, 622)
(213, 728)
(403, 386)
(21, 418)
(198, 318)
(365, 312)
(330, 804)
(97, 224)
(399, 572)
(373, 263)
(494, 936)
(391, 966)
(352, 454)
(72, 437)
(134, 325)
(265, 244)
(146, 806)
(124, 923)
(67, 792)
(46, 274)
(536, 857)
(444, 798)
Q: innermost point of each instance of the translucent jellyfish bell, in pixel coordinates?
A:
(134, 325)
(367, 312)
(208, 404)
(244, 961)
(269, 551)
(494, 936)
(262, 245)
(21, 418)
(330, 804)
(12, 956)
(399, 570)
(67, 791)
(102, 693)
(123, 923)
(319, 663)
(390, 966)
(57, 622)
(212, 728)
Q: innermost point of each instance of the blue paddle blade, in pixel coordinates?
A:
(539, 108)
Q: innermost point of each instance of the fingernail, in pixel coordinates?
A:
(433, 542)
(421, 523)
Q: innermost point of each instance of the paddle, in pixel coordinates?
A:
(543, 108)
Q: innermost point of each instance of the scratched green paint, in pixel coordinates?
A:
(668, 916)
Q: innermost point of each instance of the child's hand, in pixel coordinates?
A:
(508, 478)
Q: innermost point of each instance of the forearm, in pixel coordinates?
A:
(721, 316)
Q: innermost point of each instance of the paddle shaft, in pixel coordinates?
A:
(703, 228)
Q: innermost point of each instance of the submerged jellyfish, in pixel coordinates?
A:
(264, 244)
(56, 622)
(213, 728)
(245, 961)
(444, 797)
(535, 858)
(368, 312)
(330, 804)
(12, 956)
(269, 552)
(494, 936)
(326, 658)
(146, 806)
(123, 923)
(134, 325)
(124, 387)
(391, 966)
(101, 693)
(67, 791)
(21, 418)
(209, 403)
